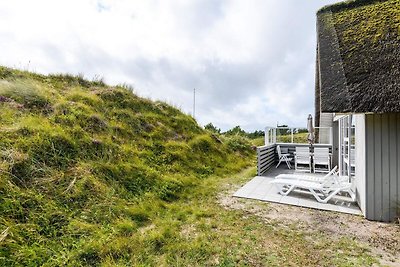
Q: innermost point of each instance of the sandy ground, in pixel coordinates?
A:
(383, 239)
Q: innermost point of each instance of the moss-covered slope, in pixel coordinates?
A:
(359, 55)
(79, 159)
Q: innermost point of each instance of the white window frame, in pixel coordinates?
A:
(346, 148)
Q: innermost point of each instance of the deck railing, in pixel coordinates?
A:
(288, 138)
(297, 135)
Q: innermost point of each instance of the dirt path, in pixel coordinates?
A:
(382, 239)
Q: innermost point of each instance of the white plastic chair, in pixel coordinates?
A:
(283, 157)
(321, 159)
(302, 157)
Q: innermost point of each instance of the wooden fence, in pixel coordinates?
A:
(267, 155)
(265, 158)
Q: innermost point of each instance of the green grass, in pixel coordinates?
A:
(92, 175)
(78, 159)
(298, 138)
(197, 231)
(260, 141)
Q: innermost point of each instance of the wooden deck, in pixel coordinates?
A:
(259, 188)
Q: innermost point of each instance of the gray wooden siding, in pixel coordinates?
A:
(265, 158)
(382, 166)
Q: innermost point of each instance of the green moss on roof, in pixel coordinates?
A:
(359, 44)
(358, 23)
(367, 26)
(348, 5)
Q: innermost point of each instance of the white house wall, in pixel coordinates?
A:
(360, 174)
(326, 120)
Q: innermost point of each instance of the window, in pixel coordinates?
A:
(347, 146)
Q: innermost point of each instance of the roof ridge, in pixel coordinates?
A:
(347, 5)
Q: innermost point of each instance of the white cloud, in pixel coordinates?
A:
(251, 61)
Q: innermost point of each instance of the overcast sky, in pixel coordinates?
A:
(252, 62)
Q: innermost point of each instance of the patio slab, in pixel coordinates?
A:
(259, 188)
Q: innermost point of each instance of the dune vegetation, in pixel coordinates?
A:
(85, 166)
(93, 175)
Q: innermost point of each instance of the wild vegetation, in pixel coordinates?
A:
(237, 130)
(84, 165)
(93, 175)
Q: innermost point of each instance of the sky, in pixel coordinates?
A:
(251, 62)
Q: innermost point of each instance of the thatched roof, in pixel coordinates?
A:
(358, 57)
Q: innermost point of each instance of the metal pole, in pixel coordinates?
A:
(194, 102)
(292, 136)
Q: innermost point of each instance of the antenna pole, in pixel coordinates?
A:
(194, 102)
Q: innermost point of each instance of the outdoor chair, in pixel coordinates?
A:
(283, 157)
(302, 159)
(311, 177)
(323, 190)
(321, 159)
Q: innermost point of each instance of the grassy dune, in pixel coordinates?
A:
(85, 167)
(93, 175)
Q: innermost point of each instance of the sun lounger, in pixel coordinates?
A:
(323, 190)
(312, 178)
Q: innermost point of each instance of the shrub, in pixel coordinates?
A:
(210, 127)
(169, 189)
(235, 131)
(239, 144)
(202, 143)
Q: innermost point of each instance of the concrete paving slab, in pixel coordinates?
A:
(259, 188)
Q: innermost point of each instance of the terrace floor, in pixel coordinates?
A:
(259, 188)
